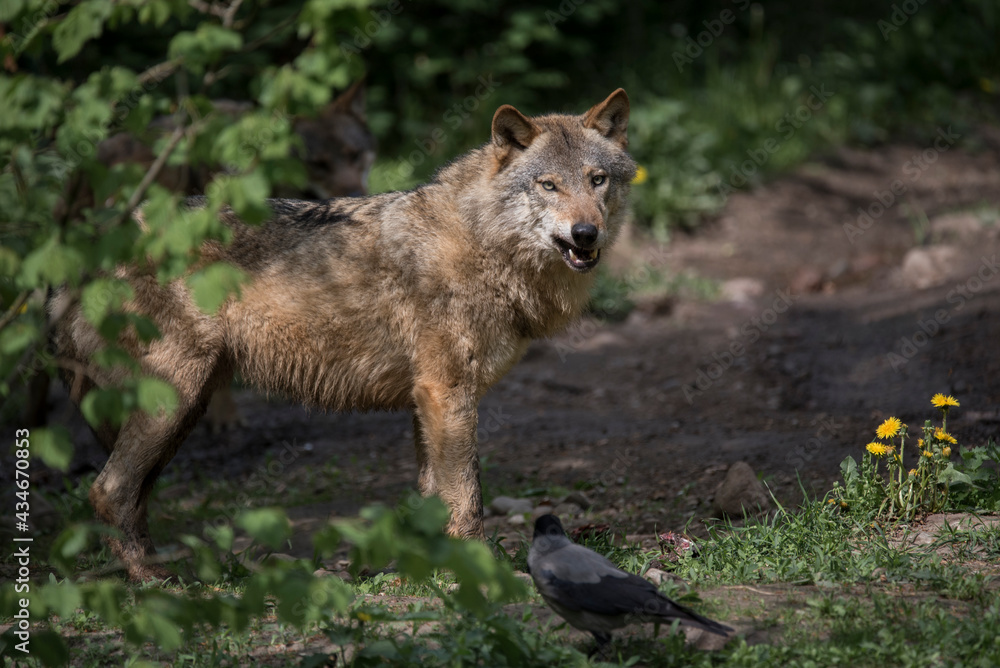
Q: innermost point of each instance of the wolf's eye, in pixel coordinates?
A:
(548, 185)
(598, 179)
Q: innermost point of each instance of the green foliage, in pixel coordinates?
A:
(75, 78)
(412, 538)
(52, 445)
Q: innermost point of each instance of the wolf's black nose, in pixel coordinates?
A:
(584, 234)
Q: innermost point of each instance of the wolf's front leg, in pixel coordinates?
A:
(445, 422)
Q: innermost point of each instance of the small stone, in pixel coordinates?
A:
(658, 577)
(275, 557)
(806, 279)
(566, 509)
(925, 267)
(516, 519)
(544, 509)
(507, 505)
(838, 269)
(741, 492)
(963, 226)
(579, 498)
(741, 290)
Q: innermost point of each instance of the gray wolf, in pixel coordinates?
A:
(417, 300)
(593, 594)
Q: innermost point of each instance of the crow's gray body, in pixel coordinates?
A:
(592, 594)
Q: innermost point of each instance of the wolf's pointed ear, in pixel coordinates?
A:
(351, 100)
(512, 129)
(610, 117)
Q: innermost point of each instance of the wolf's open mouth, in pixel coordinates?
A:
(577, 258)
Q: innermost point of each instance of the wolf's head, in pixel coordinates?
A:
(564, 179)
(339, 149)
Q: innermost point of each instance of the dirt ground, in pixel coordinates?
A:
(789, 370)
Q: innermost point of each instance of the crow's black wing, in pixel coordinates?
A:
(620, 594)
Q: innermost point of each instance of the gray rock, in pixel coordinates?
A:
(566, 510)
(741, 290)
(507, 505)
(543, 509)
(658, 577)
(579, 498)
(739, 492)
(928, 266)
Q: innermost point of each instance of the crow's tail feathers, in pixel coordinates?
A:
(688, 616)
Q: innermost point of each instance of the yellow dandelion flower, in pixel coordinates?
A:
(920, 442)
(889, 428)
(831, 501)
(364, 616)
(843, 504)
(879, 449)
(943, 401)
(913, 473)
(946, 452)
(641, 174)
(941, 435)
(928, 453)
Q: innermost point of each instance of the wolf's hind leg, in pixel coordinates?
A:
(145, 445)
(223, 413)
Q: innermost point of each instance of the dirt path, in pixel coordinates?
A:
(790, 370)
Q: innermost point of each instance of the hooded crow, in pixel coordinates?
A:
(592, 594)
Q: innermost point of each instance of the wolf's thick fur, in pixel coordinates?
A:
(416, 300)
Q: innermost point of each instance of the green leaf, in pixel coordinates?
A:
(53, 445)
(267, 525)
(49, 647)
(10, 9)
(247, 194)
(30, 103)
(67, 545)
(107, 599)
(103, 296)
(104, 405)
(222, 536)
(214, 284)
(9, 262)
(156, 396)
(52, 263)
(849, 469)
(204, 45)
(952, 476)
(63, 598)
(430, 518)
(17, 336)
(163, 631)
(82, 23)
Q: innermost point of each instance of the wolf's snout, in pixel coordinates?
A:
(585, 234)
